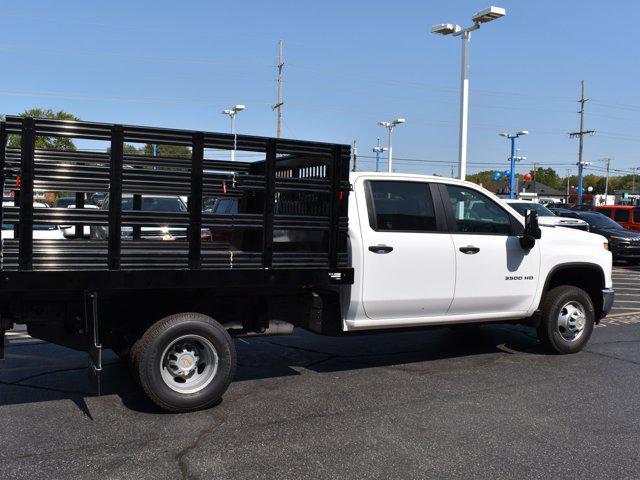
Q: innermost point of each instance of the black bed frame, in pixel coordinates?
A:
(310, 179)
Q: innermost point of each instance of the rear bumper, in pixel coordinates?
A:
(607, 301)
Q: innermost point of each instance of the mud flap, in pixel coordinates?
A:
(94, 348)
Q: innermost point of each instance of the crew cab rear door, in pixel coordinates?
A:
(495, 276)
(409, 259)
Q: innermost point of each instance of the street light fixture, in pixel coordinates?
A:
(581, 166)
(483, 16)
(232, 112)
(513, 158)
(378, 150)
(390, 126)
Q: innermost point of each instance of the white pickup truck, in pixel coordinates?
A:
(305, 245)
(432, 250)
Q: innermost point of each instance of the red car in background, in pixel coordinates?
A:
(626, 215)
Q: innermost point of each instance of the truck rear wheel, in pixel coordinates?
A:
(567, 321)
(185, 362)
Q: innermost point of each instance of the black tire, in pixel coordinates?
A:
(633, 261)
(549, 332)
(133, 358)
(147, 361)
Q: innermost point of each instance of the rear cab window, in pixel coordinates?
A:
(400, 206)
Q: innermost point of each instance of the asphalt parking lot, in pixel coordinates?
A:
(434, 404)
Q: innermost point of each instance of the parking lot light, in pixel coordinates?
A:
(483, 16)
(390, 126)
(513, 158)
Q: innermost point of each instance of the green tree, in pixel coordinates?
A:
(46, 143)
(179, 151)
(548, 176)
(127, 148)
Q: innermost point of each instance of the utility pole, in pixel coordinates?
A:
(580, 136)
(278, 105)
(535, 167)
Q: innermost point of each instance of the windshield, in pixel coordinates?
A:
(64, 202)
(522, 207)
(599, 220)
(9, 226)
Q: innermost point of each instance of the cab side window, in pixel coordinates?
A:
(401, 207)
(636, 216)
(605, 211)
(621, 216)
(475, 213)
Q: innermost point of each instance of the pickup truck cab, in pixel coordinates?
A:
(431, 250)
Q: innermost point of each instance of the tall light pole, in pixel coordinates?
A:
(232, 112)
(581, 166)
(512, 158)
(483, 16)
(377, 150)
(390, 126)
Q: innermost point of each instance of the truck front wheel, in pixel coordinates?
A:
(185, 362)
(567, 320)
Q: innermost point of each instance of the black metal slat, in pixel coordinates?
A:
(79, 227)
(115, 196)
(137, 206)
(195, 201)
(25, 227)
(269, 200)
(334, 178)
(3, 156)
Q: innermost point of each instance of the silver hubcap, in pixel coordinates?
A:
(571, 321)
(189, 364)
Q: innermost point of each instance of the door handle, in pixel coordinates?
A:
(469, 250)
(380, 248)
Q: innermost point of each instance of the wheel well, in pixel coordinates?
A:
(589, 278)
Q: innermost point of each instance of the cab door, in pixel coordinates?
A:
(409, 259)
(495, 276)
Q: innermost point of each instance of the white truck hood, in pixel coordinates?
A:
(561, 222)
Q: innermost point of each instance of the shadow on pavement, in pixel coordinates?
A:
(46, 372)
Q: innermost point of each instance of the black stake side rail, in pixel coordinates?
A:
(285, 168)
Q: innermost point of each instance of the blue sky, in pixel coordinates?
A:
(349, 64)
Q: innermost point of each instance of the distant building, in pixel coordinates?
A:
(540, 190)
(627, 197)
(527, 189)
